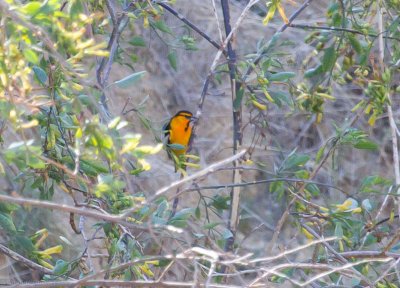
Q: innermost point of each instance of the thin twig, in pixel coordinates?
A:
(264, 52)
(104, 67)
(191, 25)
(209, 169)
(66, 208)
(341, 29)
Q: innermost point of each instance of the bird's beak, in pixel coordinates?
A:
(193, 119)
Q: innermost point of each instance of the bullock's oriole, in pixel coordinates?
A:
(179, 132)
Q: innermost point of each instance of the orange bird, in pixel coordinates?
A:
(179, 133)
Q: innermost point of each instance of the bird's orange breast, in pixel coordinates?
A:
(180, 133)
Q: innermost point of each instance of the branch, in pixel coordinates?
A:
(218, 56)
(191, 25)
(21, 259)
(393, 128)
(333, 251)
(262, 53)
(233, 220)
(71, 209)
(340, 29)
(104, 68)
(122, 283)
(196, 175)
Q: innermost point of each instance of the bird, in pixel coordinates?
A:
(178, 132)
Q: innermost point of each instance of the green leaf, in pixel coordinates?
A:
(76, 8)
(295, 160)
(238, 100)
(160, 25)
(314, 72)
(32, 8)
(339, 230)
(61, 267)
(373, 184)
(31, 56)
(8, 207)
(96, 165)
(281, 76)
(277, 187)
(128, 80)
(366, 144)
(320, 153)
(172, 60)
(220, 202)
(313, 189)
(329, 59)
(280, 98)
(354, 43)
(181, 217)
(22, 245)
(7, 224)
(271, 44)
(137, 41)
(40, 74)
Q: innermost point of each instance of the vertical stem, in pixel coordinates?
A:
(393, 129)
(237, 138)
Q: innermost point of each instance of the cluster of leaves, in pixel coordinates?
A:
(59, 142)
(344, 54)
(62, 144)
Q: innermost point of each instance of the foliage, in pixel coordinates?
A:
(61, 141)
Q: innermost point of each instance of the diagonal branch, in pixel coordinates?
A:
(191, 25)
(21, 259)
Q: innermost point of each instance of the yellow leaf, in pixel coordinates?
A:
(323, 209)
(146, 23)
(282, 13)
(259, 105)
(130, 144)
(270, 99)
(372, 120)
(341, 247)
(319, 118)
(45, 264)
(324, 95)
(270, 14)
(78, 133)
(344, 206)
(53, 250)
(358, 105)
(147, 149)
(30, 124)
(145, 269)
(307, 234)
(193, 157)
(145, 165)
(193, 165)
(391, 217)
(368, 109)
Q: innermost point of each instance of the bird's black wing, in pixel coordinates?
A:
(166, 128)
